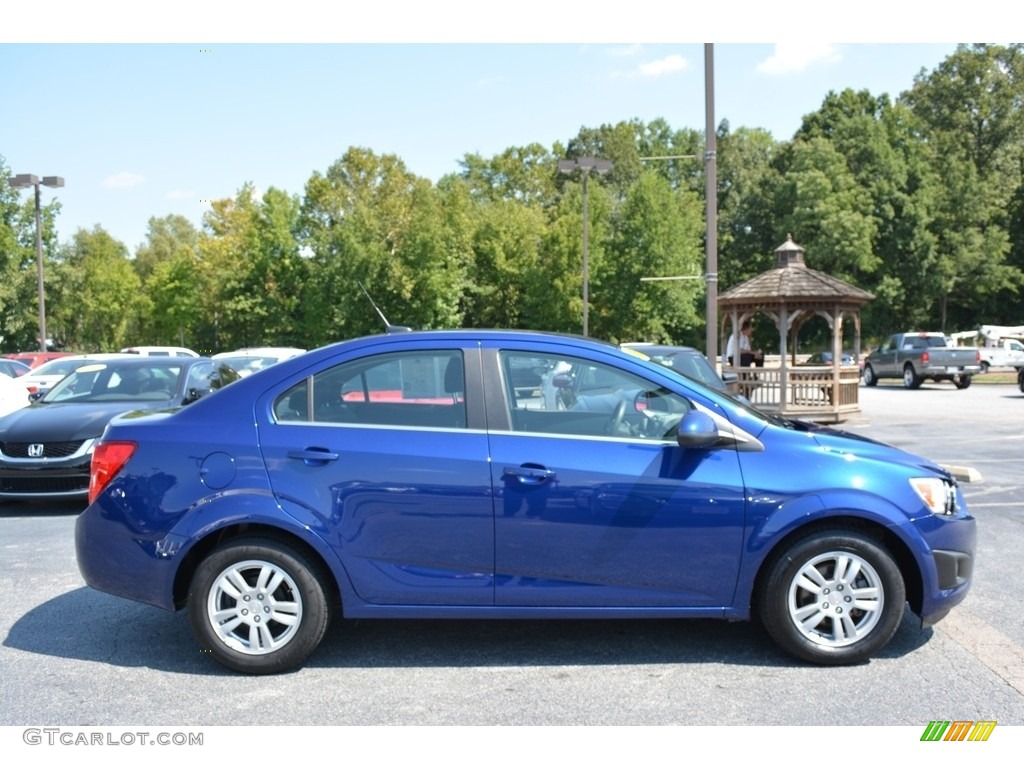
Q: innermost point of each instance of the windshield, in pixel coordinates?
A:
(110, 382)
(59, 367)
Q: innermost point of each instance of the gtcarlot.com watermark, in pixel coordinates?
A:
(69, 737)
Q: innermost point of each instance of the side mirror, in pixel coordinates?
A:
(33, 396)
(697, 430)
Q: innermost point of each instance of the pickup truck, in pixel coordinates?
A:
(917, 356)
(1007, 353)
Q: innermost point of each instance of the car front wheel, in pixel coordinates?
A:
(835, 597)
(258, 606)
(870, 379)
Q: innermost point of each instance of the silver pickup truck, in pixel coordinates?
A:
(917, 356)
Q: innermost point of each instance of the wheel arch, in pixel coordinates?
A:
(246, 530)
(881, 535)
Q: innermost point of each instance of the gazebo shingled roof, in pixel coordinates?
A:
(794, 284)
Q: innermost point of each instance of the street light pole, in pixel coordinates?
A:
(585, 165)
(21, 181)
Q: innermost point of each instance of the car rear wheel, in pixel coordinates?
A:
(962, 381)
(910, 379)
(258, 606)
(835, 597)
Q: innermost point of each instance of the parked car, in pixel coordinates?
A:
(690, 362)
(158, 351)
(35, 359)
(13, 368)
(46, 448)
(825, 358)
(300, 492)
(49, 373)
(919, 355)
(252, 359)
(13, 395)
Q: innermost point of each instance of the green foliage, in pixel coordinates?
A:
(19, 288)
(97, 291)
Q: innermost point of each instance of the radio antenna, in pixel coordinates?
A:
(389, 328)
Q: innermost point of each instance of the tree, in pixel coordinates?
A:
(970, 107)
(369, 221)
(657, 233)
(747, 183)
(96, 293)
(19, 303)
(882, 148)
(166, 238)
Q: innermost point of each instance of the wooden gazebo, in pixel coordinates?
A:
(791, 294)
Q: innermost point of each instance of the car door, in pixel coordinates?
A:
(382, 450)
(595, 502)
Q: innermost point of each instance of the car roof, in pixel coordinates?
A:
(662, 349)
(159, 351)
(260, 352)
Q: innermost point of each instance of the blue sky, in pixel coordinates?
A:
(142, 129)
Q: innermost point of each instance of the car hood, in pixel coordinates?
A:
(42, 422)
(837, 440)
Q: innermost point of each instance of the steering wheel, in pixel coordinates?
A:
(618, 416)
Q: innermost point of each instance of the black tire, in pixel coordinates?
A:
(294, 614)
(962, 381)
(849, 568)
(1020, 379)
(870, 379)
(910, 378)
(984, 366)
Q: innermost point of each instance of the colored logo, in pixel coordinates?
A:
(958, 730)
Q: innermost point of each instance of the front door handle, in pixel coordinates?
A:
(528, 474)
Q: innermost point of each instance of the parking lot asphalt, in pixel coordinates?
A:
(73, 656)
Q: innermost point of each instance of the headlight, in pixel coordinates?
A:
(938, 495)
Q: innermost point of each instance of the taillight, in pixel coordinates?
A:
(924, 357)
(107, 460)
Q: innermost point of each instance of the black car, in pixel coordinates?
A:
(689, 362)
(46, 447)
(825, 358)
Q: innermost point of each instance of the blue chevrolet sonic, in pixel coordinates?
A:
(510, 474)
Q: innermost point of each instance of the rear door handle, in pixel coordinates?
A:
(314, 456)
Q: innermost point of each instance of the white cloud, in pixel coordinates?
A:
(665, 66)
(123, 180)
(789, 58)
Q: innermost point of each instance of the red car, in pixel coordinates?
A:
(34, 359)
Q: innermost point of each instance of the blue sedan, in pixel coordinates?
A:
(473, 474)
